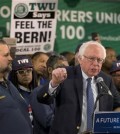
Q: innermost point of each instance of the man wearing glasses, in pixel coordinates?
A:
(71, 85)
(23, 78)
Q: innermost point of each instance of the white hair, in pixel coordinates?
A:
(86, 44)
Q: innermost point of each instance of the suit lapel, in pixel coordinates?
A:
(79, 85)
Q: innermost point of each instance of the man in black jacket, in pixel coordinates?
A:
(69, 86)
(14, 118)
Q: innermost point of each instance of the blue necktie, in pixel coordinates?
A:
(90, 104)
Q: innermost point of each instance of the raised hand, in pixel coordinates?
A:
(58, 76)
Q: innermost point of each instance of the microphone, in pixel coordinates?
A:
(101, 82)
(106, 90)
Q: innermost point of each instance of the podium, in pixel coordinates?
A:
(106, 122)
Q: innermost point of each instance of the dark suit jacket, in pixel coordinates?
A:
(14, 117)
(43, 114)
(69, 99)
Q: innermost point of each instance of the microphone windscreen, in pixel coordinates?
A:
(99, 79)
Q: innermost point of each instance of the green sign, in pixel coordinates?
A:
(5, 14)
(77, 19)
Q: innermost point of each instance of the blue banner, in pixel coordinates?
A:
(107, 122)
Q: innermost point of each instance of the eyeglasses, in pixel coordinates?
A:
(92, 59)
(29, 70)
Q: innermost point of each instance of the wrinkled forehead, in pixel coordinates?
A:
(93, 49)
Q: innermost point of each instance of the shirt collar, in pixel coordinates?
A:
(85, 76)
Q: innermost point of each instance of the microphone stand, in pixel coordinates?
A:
(105, 92)
(98, 97)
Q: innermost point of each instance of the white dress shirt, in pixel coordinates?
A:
(84, 106)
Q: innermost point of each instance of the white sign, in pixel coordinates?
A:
(33, 24)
